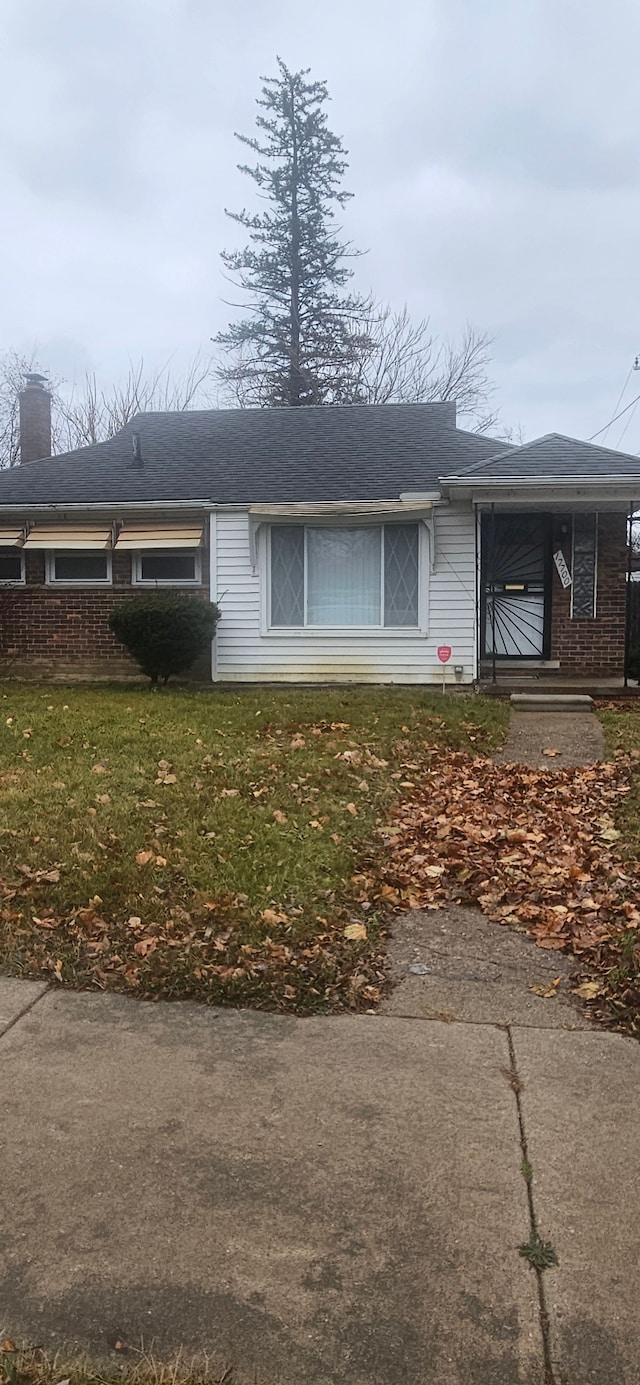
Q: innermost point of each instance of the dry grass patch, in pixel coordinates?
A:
(35, 1367)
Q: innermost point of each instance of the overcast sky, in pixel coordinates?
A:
(494, 155)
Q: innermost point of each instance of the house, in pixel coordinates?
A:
(341, 544)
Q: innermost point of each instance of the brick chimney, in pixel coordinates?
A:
(35, 419)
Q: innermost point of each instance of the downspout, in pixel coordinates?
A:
(478, 610)
(627, 609)
(494, 678)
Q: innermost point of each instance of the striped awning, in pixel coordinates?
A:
(65, 536)
(139, 536)
(11, 537)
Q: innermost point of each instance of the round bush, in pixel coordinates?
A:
(164, 632)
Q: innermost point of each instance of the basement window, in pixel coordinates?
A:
(180, 567)
(78, 568)
(11, 566)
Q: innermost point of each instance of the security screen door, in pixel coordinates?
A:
(515, 585)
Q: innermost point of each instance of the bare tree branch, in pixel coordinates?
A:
(408, 364)
(96, 413)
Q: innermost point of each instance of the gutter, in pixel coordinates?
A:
(521, 482)
(104, 507)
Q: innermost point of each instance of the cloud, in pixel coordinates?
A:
(493, 155)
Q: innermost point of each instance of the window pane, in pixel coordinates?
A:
(287, 574)
(343, 576)
(81, 567)
(168, 567)
(401, 574)
(10, 565)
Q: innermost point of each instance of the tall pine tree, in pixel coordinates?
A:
(305, 335)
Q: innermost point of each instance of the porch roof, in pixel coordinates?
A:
(551, 463)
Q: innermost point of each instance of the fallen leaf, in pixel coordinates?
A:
(229, 793)
(99, 769)
(279, 815)
(273, 916)
(355, 932)
(547, 990)
(588, 990)
(144, 946)
(143, 858)
(351, 808)
(298, 743)
(552, 752)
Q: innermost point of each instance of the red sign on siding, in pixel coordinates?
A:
(444, 653)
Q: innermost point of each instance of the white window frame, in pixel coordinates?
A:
(137, 580)
(20, 581)
(50, 568)
(346, 631)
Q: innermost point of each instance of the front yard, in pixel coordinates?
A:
(204, 845)
(244, 847)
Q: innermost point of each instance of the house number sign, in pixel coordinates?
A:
(563, 571)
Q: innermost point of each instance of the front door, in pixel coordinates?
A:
(515, 585)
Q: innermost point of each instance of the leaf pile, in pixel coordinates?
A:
(536, 849)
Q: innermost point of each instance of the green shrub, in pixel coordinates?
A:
(164, 632)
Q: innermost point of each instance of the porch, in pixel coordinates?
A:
(553, 681)
(554, 615)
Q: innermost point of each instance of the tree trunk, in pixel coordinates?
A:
(295, 380)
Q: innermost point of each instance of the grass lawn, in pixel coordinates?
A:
(204, 844)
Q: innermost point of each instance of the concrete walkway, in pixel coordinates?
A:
(577, 737)
(318, 1201)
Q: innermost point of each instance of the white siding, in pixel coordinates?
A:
(245, 651)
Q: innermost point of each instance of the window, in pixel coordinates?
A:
(345, 576)
(175, 567)
(79, 567)
(11, 565)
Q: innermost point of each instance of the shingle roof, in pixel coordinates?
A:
(550, 457)
(357, 452)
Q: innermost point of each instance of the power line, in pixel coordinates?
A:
(614, 419)
(618, 412)
(619, 399)
(626, 424)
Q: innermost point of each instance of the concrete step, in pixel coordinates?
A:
(551, 702)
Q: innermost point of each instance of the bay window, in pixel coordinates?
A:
(345, 576)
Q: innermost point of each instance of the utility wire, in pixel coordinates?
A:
(618, 402)
(614, 419)
(627, 424)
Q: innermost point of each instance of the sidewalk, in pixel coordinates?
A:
(317, 1201)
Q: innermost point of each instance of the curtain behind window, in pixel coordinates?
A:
(343, 576)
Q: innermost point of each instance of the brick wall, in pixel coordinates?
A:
(64, 631)
(593, 647)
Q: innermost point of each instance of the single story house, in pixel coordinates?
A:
(341, 544)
